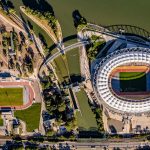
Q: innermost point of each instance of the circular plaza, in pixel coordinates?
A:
(113, 68)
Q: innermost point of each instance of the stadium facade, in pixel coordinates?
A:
(102, 80)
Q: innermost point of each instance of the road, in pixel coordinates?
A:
(97, 145)
(107, 145)
(88, 145)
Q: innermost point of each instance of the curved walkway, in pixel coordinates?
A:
(97, 28)
(66, 49)
(129, 29)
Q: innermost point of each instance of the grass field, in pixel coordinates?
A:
(86, 119)
(73, 61)
(135, 81)
(1, 121)
(31, 116)
(61, 68)
(68, 65)
(130, 75)
(11, 96)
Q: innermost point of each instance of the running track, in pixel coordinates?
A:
(129, 69)
(145, 69)
(27, 85)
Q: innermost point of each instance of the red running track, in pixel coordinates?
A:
(27, 85)
(129, 69)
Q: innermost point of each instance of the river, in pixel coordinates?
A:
(105, 12)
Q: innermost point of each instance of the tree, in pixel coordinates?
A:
(4, 52)
(71, 124)
(12, 11)
(50, 133)
(28, 63)
(62, 107)
(18, 67)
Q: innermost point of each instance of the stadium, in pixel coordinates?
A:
(16, 95)
(122, 80)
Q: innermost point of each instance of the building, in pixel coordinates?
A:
(102, 80)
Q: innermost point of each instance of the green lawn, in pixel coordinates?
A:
(1, 121)
(31, 116)
(86, 118)
(68, 64)
(73, 61)
(61, 68)
(11, 96)
(70, 41)
(130, 75)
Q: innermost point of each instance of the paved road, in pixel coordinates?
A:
(90, 145)
(97, 145)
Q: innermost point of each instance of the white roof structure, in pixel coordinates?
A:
(102, 75)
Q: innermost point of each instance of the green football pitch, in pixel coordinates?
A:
(132, 81)
(130, 75)
(11, 96)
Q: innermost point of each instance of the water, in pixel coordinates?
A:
(106, 12)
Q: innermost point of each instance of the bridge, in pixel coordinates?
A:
(129, 29)
(102, 30)
(66, 49)
(145, 38)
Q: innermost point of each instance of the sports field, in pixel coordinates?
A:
(11, 96)
(85, 118)
(130, 75)
(132, 81)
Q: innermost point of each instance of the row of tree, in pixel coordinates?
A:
(98, 115)
(57, 104)
(97, 43)
(48, 16)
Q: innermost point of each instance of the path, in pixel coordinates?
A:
(12, 24)
(48, 31)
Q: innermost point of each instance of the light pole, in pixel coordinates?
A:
(123, 31)
(149, 41)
